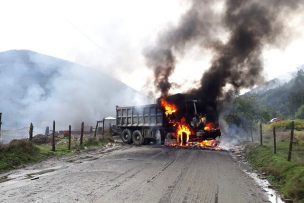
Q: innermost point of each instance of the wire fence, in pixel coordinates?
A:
(8, 135)
(52, 135)
(287, 141)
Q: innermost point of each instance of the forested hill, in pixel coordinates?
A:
(283, 99)
(273, 99)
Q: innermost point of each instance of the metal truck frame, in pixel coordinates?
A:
(140, 124)
(146, 123)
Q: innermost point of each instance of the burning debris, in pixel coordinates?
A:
(189, 128)
(168, 108)
(177, 119)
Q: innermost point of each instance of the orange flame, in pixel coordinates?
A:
(208, 143)
(183, 129)
(209, 126)
(169, 107)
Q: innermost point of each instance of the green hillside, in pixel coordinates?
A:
(283, 100)
(274, 99)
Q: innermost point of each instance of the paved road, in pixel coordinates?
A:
(134, 174)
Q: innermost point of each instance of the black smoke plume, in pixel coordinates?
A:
(196, 26)
(251, 25)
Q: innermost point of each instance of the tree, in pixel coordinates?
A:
(243, 113)
(300, 112)
(297, 92)
(265, 116)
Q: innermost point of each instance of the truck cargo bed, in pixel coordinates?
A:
(139, 116)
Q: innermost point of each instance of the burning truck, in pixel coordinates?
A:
(178, 120)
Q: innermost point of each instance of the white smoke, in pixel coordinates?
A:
(233, 135)
(39, 89)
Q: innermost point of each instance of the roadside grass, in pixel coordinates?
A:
(62, 146)
(287, 177)
(286, 124)
(17, 153)
(283, 140)
(20, 152)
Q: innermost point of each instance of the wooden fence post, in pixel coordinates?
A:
(274, 140)
(47, 131)
(261, 134)
(53, 138)
(251, 132)
(70, 135)
(103, 126)
(291, 141)
(81, 133)
(95, 133)
(0, 122)
(31, 132)
(110, 129)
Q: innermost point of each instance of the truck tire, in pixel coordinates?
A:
(184, 139)
(162, 136)
(157, 136)
(169, 136)
(137, 137)
(126, 136)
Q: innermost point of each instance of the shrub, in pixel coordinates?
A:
(91, 141)
(17, 152)
(40, 139)
(286, 124)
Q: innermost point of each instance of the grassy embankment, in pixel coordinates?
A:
(20, 152)
(287, 177)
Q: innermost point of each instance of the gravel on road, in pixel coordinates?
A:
(133, 174)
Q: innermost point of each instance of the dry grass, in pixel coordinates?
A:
(16, 153)
(20, 152)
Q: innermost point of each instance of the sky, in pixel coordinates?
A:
(110, 36)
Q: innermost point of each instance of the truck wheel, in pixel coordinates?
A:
(158, 136)
(126, 136)
(162, 136)
(169, 136)
(137, 137)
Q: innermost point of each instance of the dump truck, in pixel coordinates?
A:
(146, 123)
(140, 124)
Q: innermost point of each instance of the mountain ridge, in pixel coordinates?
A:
(39, 88)
(281, 97)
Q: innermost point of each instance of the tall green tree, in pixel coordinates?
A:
(297, 92)
(244, 112)
(300, 112)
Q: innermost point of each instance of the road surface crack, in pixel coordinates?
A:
(161, 171)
